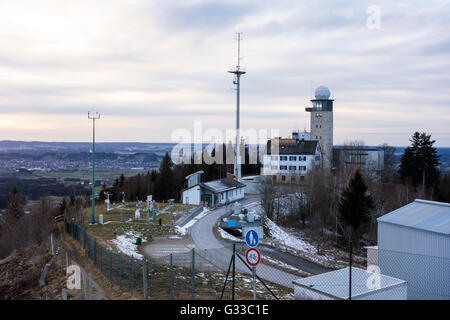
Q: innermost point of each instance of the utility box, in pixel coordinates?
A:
(138, 241)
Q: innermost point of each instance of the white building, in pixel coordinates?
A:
(216, 192)
(291, 157)
(369, 159)
(414, 245)
(334, 285)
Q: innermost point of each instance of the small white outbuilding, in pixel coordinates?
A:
(334, 285)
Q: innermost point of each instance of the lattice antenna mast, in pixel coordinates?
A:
(237, 81)
(94, 116)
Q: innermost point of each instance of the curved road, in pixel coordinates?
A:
(204, 239)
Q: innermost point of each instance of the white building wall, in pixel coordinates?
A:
(192, 195)
(420, 257)
(272, 164)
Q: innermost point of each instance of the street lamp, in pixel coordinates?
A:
(94, 116)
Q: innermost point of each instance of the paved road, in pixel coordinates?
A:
(204, 239)
(219, 252)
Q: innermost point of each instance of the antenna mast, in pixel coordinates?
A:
(237, 81)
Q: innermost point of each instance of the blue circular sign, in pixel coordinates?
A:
(251, 237)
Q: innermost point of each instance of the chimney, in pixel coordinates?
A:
(230, 179)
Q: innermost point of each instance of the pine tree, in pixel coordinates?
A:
(165, 187)
(63, 206)
(419, 164)
(355, 206)
(14, 211)
(122, 180)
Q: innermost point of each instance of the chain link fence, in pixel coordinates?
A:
(195, 274)
(428, 277)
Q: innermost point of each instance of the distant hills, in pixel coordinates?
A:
(128, 151)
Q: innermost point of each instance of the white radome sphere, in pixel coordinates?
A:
(322, 93)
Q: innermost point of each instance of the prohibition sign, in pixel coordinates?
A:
(253, 257)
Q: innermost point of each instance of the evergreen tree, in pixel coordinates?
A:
(354, 207)
(408, 166)
(63, 206)
(165, 187)
(420, 162)
(14, 211)
(122, 180)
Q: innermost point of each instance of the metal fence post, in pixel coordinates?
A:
(101, 258)
(350, 275)
(120, 272)
(171, 278)
(234, 270)
(145, 278)
(110, 265)
(95, 251)
(132, 276)
(193, 273)
(148, 275)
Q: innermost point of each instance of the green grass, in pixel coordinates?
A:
(112, 230)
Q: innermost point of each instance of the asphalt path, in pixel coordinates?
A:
(204, 239)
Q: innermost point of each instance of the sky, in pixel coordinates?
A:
(153, 67)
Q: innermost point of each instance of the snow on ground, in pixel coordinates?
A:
(279, 235)
(126, 244)
(183, 230)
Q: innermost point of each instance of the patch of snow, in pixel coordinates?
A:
(281, 236)
(126, 244)
(183, 230)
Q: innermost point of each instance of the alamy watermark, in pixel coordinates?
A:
(196, 146)
(374, 280)
(74, 278)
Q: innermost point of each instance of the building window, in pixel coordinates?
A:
(283, 167)
(274, 157)
(292, 158)
(292, 178)
(274, 178)
(292, 168)
(283, 158)
(283, 178)
(274, 168)
(302, 168)
(302, 178)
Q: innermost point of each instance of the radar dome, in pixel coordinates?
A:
(322, 93)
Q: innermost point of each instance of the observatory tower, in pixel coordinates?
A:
(322, 124)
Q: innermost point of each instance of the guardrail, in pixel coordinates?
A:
(191, 215)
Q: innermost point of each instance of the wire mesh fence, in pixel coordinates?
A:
(427, 276)
(194, 274)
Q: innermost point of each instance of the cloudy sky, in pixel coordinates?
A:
(152, 67)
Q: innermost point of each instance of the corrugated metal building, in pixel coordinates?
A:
(414, 245)
(334, 285)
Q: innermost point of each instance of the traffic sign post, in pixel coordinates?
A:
(252, 255)
(253, 258)
(251, 238)
(254, 283)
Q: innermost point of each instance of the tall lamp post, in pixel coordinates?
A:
(93, 116)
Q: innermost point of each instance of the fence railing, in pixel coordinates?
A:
(194, 274)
